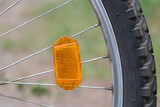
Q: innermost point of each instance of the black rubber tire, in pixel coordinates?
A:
(136, 52)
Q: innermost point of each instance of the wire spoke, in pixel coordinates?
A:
(52, 85)
(31, 76)
(21, 60)
(45, 49)
(93, 87)
(12, 5)
(35, 18)
(94, 59)
(1, 2)
(34, 75)
(96, 25)
(27, 101)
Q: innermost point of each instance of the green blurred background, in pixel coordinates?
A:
(151, 10)
(44, 32)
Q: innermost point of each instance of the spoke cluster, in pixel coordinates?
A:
(45, 49)
(4, 34)
(50, 71)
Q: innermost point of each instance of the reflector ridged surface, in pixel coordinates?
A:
(67, 63)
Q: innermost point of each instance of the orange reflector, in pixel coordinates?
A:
(67, 63)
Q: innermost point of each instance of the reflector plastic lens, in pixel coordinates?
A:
(67, 63)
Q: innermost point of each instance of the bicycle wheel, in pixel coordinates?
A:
(130, 52)
(135, 48)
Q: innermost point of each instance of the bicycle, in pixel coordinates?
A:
(129, 47)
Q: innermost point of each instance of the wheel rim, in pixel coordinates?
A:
(111, 42)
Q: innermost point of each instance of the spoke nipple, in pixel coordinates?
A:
(108, 88)
(105, 56)
(96, 25)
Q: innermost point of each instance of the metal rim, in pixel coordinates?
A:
(110, 38)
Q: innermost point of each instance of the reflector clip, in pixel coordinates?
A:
(67, 63)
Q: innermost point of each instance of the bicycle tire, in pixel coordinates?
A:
(136, 52)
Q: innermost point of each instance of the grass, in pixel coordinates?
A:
(39, 90)
(150, 8)
(23, 43)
